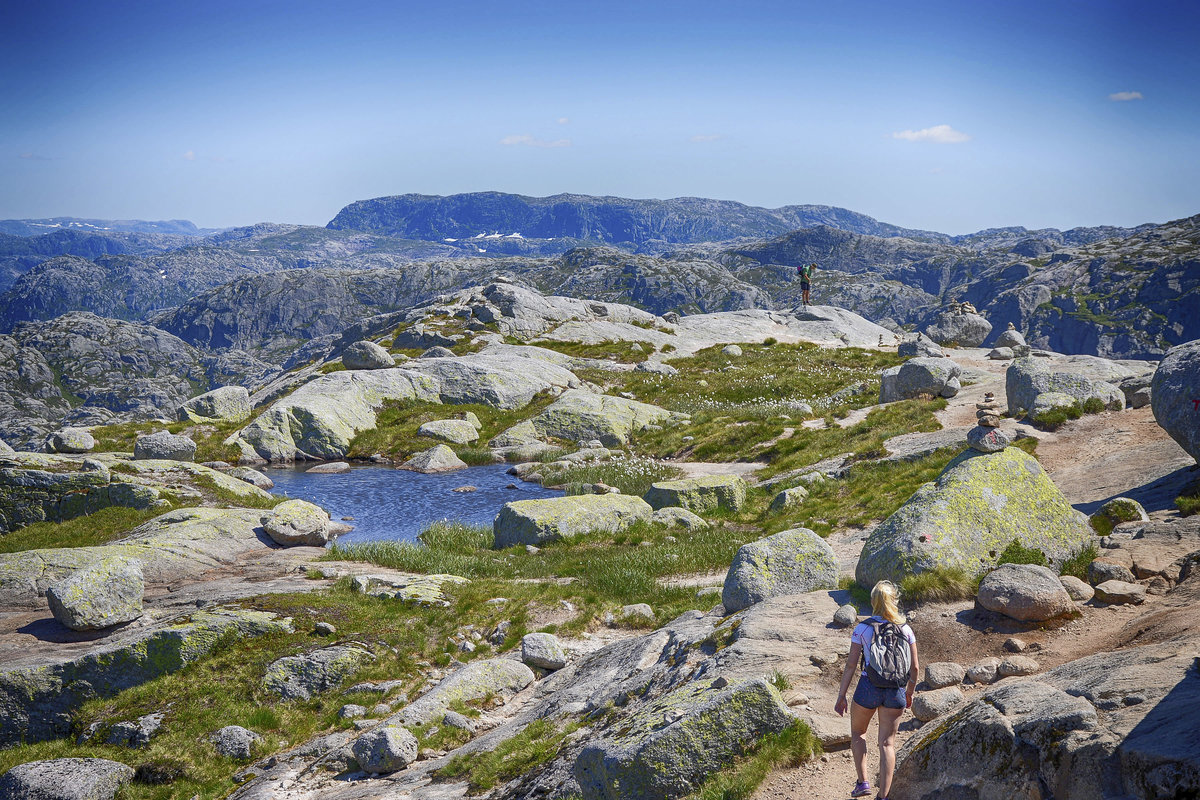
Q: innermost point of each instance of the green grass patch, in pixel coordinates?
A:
(1055, 418)
(1017, 553)
(790, 747)
(1077, 564)
(1188, 504)
(623, 352)
(631, 474)
(209, 437)
(942, 585)
(538, 743)
(102, 527)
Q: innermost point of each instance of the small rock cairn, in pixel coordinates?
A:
(964, 307)
(986, 436)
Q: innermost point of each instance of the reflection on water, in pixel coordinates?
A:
(395, 504)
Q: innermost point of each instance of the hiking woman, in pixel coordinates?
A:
(881, 685)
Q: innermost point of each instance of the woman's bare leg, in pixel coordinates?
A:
(860, 720)
(889, 725)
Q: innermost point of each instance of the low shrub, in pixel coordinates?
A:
(941, 585)
(1017, 553)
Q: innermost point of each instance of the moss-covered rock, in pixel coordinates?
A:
(668, 747)
(456, 431)
(226, 404)
(546, 520)
(1116, 511)
(581, 416)
(298, 522)
(299, 677)
(420, 590)
(37, 702)
(478, 679)
(789, 562)
(704, 494)
(788, 498)
(978, 506)
(103, 594)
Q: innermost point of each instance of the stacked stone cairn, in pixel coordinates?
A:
(986, 436)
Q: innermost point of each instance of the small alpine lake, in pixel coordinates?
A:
(390, 504)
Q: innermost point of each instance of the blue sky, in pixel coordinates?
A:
(945, 116)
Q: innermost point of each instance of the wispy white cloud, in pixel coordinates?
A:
(563, 120)
(942, 134)
(530, 141)
(190, 155)
(706, 137)
(1123, 97)
(34, 157)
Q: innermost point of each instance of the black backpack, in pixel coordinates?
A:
(891, 658)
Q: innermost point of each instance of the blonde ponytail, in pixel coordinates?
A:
(885, 599)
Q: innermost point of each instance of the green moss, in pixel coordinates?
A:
(789, 748)
(538, 743)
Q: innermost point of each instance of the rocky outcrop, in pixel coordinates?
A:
(581, 416)
(934, 377)
(367, 355)
(539, 521)
(979, 505)
(98, 596)
(164, 446)
(1174, 390)
(65, 779)
(1082, 379)
(960, 330)
(226, 404)
(54, 489)
(300, 677)
(234, 741)
(699, 495)
(790, 562)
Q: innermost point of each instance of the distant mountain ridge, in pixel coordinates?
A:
(35, 227)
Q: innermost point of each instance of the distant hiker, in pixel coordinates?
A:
(889, 677)
(806, 272)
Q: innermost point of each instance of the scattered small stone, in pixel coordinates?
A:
(324, 629)
(986, 671)
(466, 646)
(381, 709)
(1017, 665)
(532, 550)
(720, 682)
(731, 350)
(708, 590)
(497, 601)
(845, 615)
(234, 741)
(499, 633)
(1014, 645)
(465, 489)
(385, 749)
(352, 711)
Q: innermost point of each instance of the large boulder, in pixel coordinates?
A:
(1029, 377)
(1024, 592)
(227, 404)
(700, 495)
(456, 431)
(543, 650)
(937, 377)
(367, 355)
(164, 446)
(668, 748)
(920, 346)
(960, 330)
(1108, 725)
(438, 458)
(71, 440)
(1009, 338)
(385, 749)
(99, 596)
(300, 677)
(65, 779)
(234, 741)
(298, 522)
(1174, 390)
(545, 520)
(930, 705)
(789, 562)
(978, 506)
(581, 416)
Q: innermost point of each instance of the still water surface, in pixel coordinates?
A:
(396, 505)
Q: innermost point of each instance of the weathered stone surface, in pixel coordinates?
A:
(930, 705)
(478, 679)
(385, 749)
(731, 350)
(421, 590)
(227, 404)
(941, 674)
(925, 376)
(988, 439)
(329, 468)
(919, 346)
(300, 677)
(164, 446)
(960, 330)
(845, 616)
(298, 522)
(789, 498)
(37, 700)
(43, 488)
(438, 458)
(1029, 377)
(1002, 354)
(1014, 666)
(1108, 725)
(673, 516)
(888, 393)
(99, 596)
(1102, 570)
(789, 562)
(1116, 511)
(1121, 593)
(668, 748)
(456, 431)
(1010, 338)
(234, 741)
(1024, 592)
(1174, 391)
(985, 671)
(71, 440)
(1077, 589)
(65, 779)
(979, 505)
(543, 650)
(136, 733)
(580, 416)
(5, 449)
(252, 477)
(1050, 402)
(703, 494)
(367, 355)
(545, 520)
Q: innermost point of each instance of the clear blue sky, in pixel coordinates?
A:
(951, 116)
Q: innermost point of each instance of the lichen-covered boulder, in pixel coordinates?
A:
(1116, 511)
(385, 749)
(252, 477)
(1174, 391)
(673, 516)
(300, 677)
(367, 355)
(790, 562)
(545, 520)
(581, 416)
(65, 779)
(165, 446)
(456, 431)
(960, 330)
(979, 505)
(298, 522)
(234, 741)
(438, 458)
(703, 494)
(930, 705)
(99, 596)
(1028, 377)
(71, 440)
(478, 679)
(668, 748)
(1047, 403)
(789, 498)
(543, 650)
(1024, 592)
(926, 376)
(227, 404)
